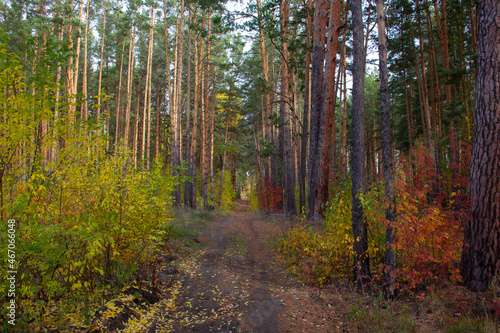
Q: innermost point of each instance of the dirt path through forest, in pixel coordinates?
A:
(234, 285)
(237, 286)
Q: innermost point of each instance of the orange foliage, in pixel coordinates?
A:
(430, 213)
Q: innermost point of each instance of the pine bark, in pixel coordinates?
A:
(423, 85)
(480, 265)
(390, 213)
(305, 114)
(167, 56)
(85, 111)
(70, 72)
(100, 63)
(206, 121)
(74, 74)
(146, 124)
(196, 102)
(285, 111)
(117, 125)
(130, 77)
(203, 118)
(212, 131)
(223, 167)
(137, 117)
(343, 162)
(188, 185)
(320, 20)
(267, 109)
(319, 176)
(175, 111)
(358, 171)
(150, 69)
(157, 131)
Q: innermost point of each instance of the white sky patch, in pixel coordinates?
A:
(241, 6)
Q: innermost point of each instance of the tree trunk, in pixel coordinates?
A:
(320, 19)
(320, 174)
(100, 63)
(361, 260)
(423, 86)
(407, 104)
(73, 75)
(70, 74)
(85, 111)
(305, 115)
(150, 69)
(167, 58)
(480, 265)
(203, 124)
(117, 126)
(188, 185)
(221, 186)
(385, 113)
(443, 42)
(136, 127)
(211, 143)
(285, 135)
(55, 148)
(175, 111)
(343, 162)
(147, 95)
(267, 110)
(157, 130)
(130, 74)
(206, 122)
(194, 145)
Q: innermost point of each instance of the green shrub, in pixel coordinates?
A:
(228, 191)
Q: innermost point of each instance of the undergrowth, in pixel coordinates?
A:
(86, 220)
(430, 215)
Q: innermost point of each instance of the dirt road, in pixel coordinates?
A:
(233, 285)
(237, 286)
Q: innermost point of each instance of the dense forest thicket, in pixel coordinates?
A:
(360, 114)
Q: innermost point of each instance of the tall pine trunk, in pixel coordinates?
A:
(480, 265)
(267, 110)
(320, 20)
(175, 111)
(188, 185)
(100, 63)
(358, 171)
(305, 114)
(390, 213)
(146, 124)
(117, 125)
(196, 100)
(84, 110)
(285, 111)
(321, 173)
(130, 77)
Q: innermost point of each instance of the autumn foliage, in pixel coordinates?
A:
(430, 214)
(86, 220)
(270, 196)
